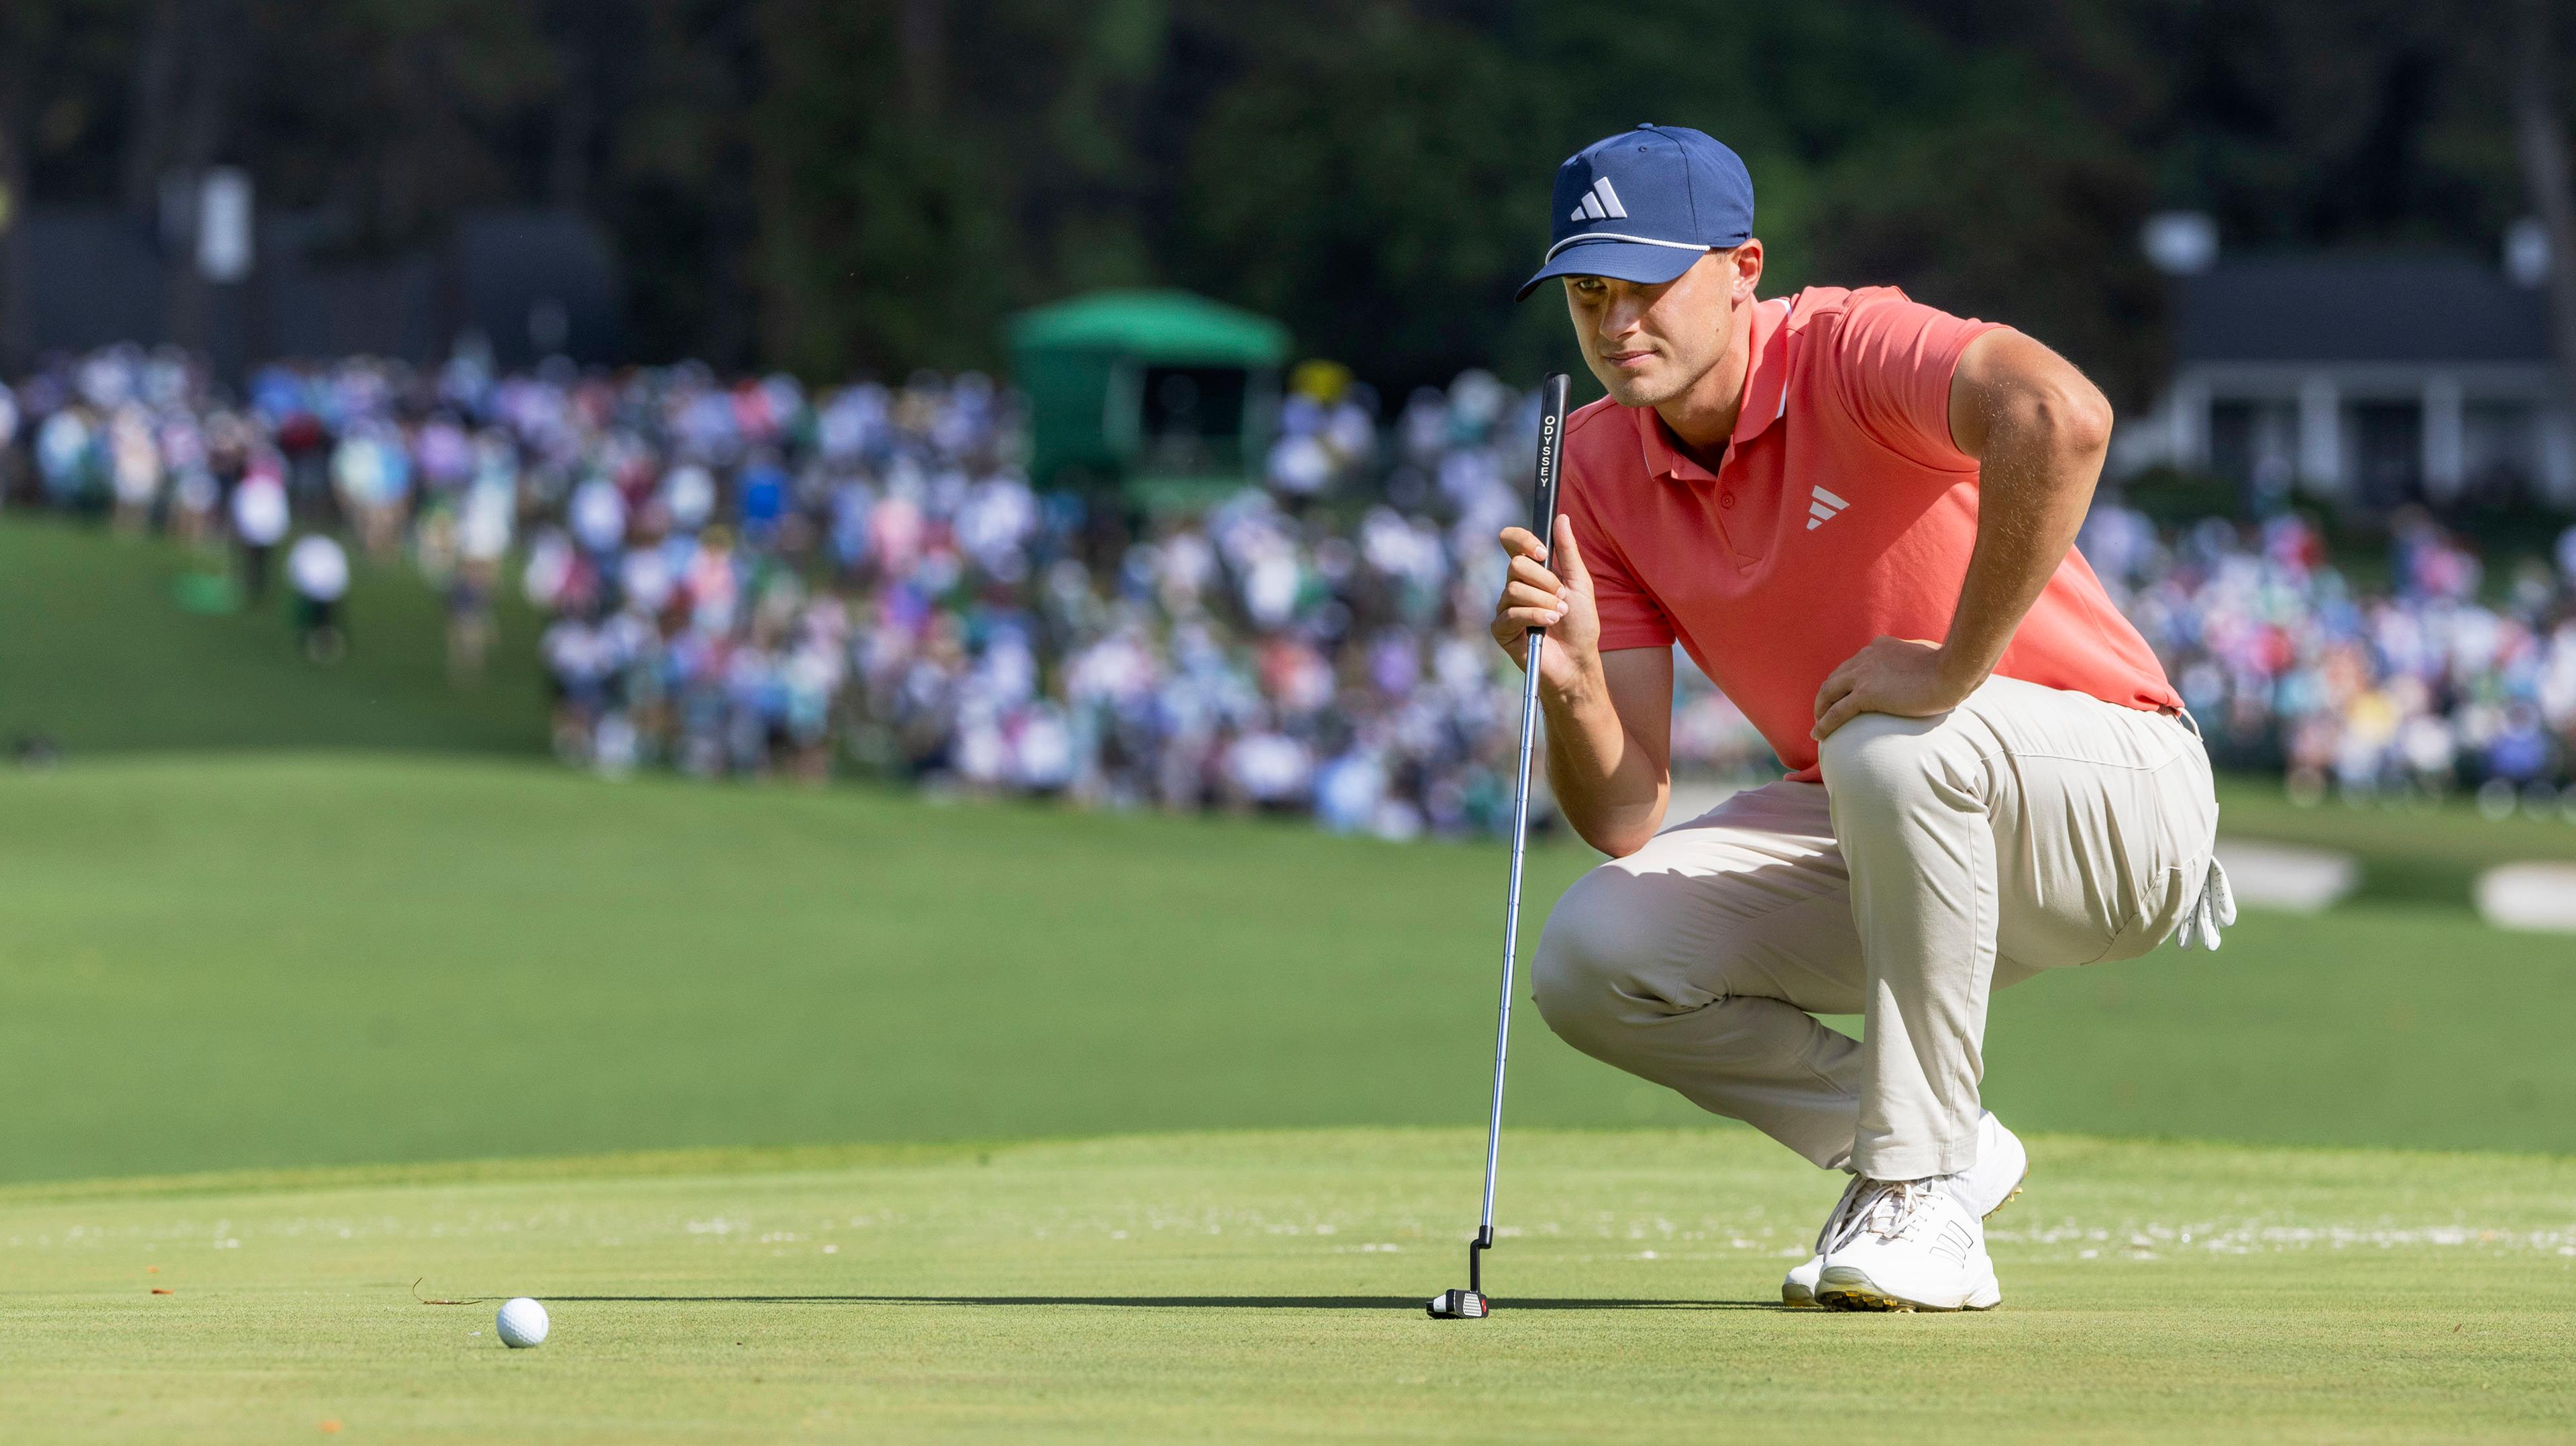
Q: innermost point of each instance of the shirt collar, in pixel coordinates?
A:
(1766, 398)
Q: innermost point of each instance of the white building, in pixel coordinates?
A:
(2370, 380)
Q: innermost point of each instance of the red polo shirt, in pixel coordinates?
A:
(1842, 512)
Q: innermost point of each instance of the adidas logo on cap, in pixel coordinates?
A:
(1599, 204)
(1826, 506)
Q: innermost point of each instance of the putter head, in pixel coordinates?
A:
(1460, 1305)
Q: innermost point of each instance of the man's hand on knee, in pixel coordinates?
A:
(1907, 677)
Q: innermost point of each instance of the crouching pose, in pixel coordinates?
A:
(1856, 514)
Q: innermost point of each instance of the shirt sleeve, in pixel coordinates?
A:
(1630, 616)
(1896, 357)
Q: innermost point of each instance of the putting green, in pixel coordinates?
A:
(1267, 1286)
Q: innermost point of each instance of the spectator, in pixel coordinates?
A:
(483, 528)
(260, 520)
(318, 571)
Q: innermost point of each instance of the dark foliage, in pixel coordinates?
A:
(833, 185)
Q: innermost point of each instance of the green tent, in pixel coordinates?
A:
(1157, 391)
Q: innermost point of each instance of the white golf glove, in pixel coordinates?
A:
(2214, 910)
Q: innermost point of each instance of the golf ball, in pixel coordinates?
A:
(522, 1323)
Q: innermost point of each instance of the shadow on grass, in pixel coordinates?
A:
(1177, 1302)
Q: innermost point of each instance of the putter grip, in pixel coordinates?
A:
(1551, 460)
(1551, 454)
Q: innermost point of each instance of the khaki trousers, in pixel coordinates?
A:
(2027, 829)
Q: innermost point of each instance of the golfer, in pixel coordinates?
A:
(1856, 514)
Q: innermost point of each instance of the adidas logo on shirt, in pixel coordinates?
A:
(1825, 508)
(1599, 204)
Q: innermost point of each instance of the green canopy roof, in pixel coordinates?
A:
(1168, 327)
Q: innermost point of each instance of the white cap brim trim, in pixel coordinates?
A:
(1619, 236)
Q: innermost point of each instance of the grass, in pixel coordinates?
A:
(1267, 1287)
(98, 656)
(774, 1023)
(2411, 852)
(257, 961)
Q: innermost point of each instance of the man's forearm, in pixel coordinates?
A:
(2042, 454)
(1607, 786)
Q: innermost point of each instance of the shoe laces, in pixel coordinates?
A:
(1838, 1225)
(1894, 1209)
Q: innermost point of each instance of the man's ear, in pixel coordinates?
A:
(1748, 268)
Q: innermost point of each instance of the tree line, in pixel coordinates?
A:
(841, 186)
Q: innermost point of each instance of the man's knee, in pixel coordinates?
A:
(1878, 763)
(1600, 938)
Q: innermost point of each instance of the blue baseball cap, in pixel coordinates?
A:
(1644, 205)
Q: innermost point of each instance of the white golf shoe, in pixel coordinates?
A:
(1985, 1187)
(1798, 1288)
(1909, 1245)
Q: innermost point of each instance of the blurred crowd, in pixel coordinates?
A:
(2428, 681)
(748, 577)
(745, 577)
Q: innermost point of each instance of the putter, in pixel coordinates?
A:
(1471, 1303)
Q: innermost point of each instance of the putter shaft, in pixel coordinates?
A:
(1551, 451)
(1511, 948)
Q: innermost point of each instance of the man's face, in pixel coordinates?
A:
(1650, 344)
